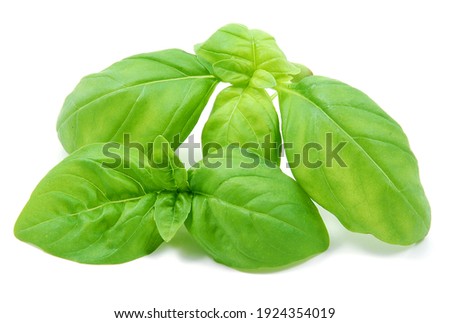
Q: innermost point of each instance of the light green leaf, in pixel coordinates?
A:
(160, 93)
(249, 215)
(262, 79)
(233, 71)
(304, 72)
(171, 210)
(371, 183)
(236, 53)
(96, 206)
(246, 117)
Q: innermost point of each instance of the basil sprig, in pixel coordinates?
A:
(110, 202)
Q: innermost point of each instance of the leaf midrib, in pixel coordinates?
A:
(86, 210)
(391, 183)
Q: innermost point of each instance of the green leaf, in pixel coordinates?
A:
(262, 79)
(171, 172)
(233, 71)
(171, 210)
(304, 72)
(236, 53)
(249, 215)
(371, 183)
(160, 93)
(246, 117)
(96, 206)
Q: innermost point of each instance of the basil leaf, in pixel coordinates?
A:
(372, 182)
(304, 72)
(160, 93)
(172, 206)
(171, 174)
(249, 215)
(262, 79)
(235, 53)
(96, 206)
(171, 210)
(247, 117)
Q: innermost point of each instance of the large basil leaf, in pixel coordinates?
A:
(241, 56)
(361, 168)
(247, 117)
(249, 215)
(160, 93)
(96, 206)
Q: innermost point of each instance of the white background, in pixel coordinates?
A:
(395, 51)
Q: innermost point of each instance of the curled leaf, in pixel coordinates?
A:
(235, 53)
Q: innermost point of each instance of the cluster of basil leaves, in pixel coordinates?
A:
(245, 218)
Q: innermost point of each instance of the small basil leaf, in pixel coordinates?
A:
(96, 206)
(160, 93)
(171, 210)
(249, 215)
(361, 168)
(232, 71)
(171, 173)
(304, 72)
(247, 117)
(262, 79)
(235, 53)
